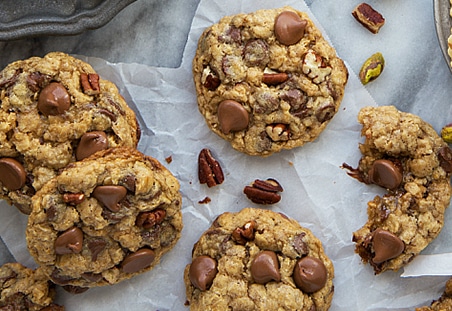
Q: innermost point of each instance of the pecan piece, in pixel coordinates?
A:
(275, 78)
(264, 191)
(210, 79)
(278, 132)
(90, 83)
(246, 233)
(209, 169)
(73, 198)
(368, 17)
(150, 219)
(315, 67)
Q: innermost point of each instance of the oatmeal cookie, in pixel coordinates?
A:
(403, 154)
(22, 288)
(105, 219)
(444, 303)
(53, 111)
(258, 260)
(268, 80)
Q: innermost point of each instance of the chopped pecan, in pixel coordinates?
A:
(275, 78)
(210, 79)
(209, 169)
(278, 132)
(246, 233)
(264, 191)
(368, 17)
(73, 198)
(148, 220)
(315, 67)
(90, 83)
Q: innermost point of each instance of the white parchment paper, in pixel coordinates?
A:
(317, 192)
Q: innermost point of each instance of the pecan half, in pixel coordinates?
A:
(275, 78)
(368, 17)
(90, 83)
(150, 219)
(246, 233)
(209, 169)
(264, 191)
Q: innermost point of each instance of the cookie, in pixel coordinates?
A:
(267, 80)
(53, 111)
(22, 288)
(443, 303)
(105, 219)
(404, 155)
(258, 259)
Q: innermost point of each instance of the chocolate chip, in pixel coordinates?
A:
(141, 259)
(75, 290)
(96, 245)
(386, 174)
(299, 244)
(445, 159)
(92, 277)
(54, 100)
(232, 116)
(289, 28)
(265, 267)
(202, 272)
(309, 274)
(256, 53)
(129, 182)
(90, 143)
(386, 245)
(110, 196)
(69, 242)
(59, 279)
(37, 80)
(12, 174)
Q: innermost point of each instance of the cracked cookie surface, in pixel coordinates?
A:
(105, 219)
(267, 80)
(55, 110)
(22, 288)
(255, 260)
(405, 155)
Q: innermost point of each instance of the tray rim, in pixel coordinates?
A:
(443, 25)
(70, 25)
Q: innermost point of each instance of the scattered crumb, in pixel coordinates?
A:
(169, 159)
(205, 200)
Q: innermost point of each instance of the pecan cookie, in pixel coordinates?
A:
(105, 219)
(403, 154)
(267, 80)
(258, 260)
(443, 303)
(53, 111)
(24, 289)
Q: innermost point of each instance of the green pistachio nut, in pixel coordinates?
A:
(446, 133)
(372, 68)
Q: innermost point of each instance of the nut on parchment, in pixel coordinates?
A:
(372, 68)
(446, 133)
(209, 169)
(264, 191)
(368, 17)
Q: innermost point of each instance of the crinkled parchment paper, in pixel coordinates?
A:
(317, 191)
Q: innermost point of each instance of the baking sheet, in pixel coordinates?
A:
(172, 126)
(441, 9)
(25, 18)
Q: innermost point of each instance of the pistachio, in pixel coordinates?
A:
(372, 68)
(446, 133)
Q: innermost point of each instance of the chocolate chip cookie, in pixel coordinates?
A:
(53, 111)
(267, 80)
(22, 288)
(443, 303)
(403, 154)
(258, 260)
(105, 219)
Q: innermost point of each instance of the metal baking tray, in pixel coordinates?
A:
(443, 24)
(28, 18)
